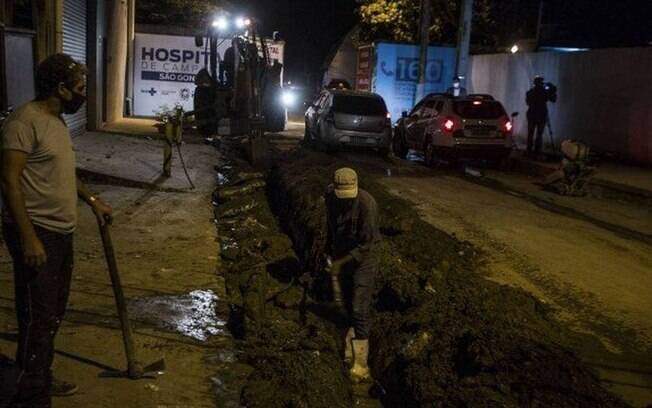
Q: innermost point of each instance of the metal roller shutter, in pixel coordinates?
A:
(74, 44)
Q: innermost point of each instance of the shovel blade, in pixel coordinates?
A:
(148, 372)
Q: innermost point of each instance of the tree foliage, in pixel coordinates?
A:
(177, 12)
(494, 22)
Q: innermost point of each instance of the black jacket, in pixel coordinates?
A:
(352, 225)
(537, 100)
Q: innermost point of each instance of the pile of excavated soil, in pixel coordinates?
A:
(294, 359)
(443, 335)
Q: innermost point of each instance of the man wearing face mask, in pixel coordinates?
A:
(40, 191)
(352, 245)
(457, 90)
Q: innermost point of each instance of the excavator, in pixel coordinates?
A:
(245, 84)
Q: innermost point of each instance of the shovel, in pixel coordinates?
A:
(135, 370)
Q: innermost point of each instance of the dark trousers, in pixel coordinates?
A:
(41, 298)
(358, 283)
(533, 126)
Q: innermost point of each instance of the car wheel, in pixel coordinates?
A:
(430, 157)
(319, 144)
(398, 145)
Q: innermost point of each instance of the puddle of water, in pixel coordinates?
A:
(192, 315)
(228, 243)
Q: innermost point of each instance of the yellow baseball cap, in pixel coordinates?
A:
(345, 183)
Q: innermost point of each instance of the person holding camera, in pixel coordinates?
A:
(537, 100)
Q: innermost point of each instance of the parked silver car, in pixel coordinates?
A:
(349, 118)
(443, 127)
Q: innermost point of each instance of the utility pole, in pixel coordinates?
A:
(426, 10)
(539, 21)
(464, 40)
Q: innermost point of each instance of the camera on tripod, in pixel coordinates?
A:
(551, 91)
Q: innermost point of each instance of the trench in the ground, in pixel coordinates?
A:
(443, 335)
(287, 355)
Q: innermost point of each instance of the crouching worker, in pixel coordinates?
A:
(352, 244)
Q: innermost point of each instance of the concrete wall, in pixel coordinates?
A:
(344, 62)
(604, 96)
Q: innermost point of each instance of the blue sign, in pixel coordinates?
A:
(397, 72)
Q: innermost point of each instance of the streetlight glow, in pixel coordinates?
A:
(514, 49)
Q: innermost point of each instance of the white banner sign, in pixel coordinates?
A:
(165, 67)
(164, 72)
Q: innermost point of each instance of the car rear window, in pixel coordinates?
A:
(359, 105)
(478, 109)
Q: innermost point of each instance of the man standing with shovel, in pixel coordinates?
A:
(40, 192)
(352, 244)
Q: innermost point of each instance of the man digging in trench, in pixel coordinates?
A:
(40, 192)
(352, 246)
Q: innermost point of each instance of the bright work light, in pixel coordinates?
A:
(514, 49)
(288, 98)
(221, 23)
(242, 22)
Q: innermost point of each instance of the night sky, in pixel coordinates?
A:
(310, 28)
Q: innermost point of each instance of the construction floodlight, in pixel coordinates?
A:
(221, 23)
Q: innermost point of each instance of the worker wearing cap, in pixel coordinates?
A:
(352, 244)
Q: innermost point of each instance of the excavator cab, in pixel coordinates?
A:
(246, 84)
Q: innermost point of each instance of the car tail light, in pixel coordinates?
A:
(448, 125)
(507, 127)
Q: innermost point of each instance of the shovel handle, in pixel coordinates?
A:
(127, 335)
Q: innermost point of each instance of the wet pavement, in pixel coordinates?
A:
(193, 315)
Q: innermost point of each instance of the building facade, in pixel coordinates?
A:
(30, 30)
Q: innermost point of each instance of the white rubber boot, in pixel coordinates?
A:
(348, 347)
(360, 370)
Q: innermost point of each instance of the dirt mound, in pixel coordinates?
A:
(442, 335)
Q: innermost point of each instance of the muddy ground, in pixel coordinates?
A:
(244, 318)
(443, 335)
(291, 351)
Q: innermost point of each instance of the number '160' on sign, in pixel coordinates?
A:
(407, 69)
